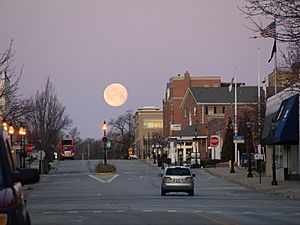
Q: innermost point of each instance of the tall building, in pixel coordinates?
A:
(149, 123)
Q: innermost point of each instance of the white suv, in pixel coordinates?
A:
(177, 179)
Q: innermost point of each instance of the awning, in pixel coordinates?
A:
(287, 122)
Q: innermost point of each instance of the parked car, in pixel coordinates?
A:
(177, 179)
(12, 203)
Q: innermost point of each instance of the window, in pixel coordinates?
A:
(185, 114)
(195, 111)
(215, 109)
(153, 124)
(211, 110)
(223, 109)
(206, 110)
(178, 171)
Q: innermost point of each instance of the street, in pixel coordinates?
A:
(74, 194)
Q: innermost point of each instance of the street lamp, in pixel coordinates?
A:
(22, 132)
(5, 125)
(11, 131)
(248, 125)
(273, 127)
(230, 127)
(104, 139)
(196, 144)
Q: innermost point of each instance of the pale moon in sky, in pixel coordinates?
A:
(115, 94)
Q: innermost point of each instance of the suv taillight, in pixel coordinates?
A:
(167, 178)
(189, 178)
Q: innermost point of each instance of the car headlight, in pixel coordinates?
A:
(3, 218)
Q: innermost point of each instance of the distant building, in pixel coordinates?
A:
(149, 121)
(283, 79)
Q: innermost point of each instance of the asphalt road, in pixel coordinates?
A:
(76, 195)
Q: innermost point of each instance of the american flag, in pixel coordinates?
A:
(231, 84)
(269, 31)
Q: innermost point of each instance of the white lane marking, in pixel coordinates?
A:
(97, 178)
(172, 211)
(72, 212)
(120, 211)
(114, 177)
(248, 212)
(47, 212)
(99, 194)
(197, 211)
(217, 212)
(97, 211)
(147, 210)
(103, 181)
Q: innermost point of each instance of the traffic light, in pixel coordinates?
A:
(104, 139)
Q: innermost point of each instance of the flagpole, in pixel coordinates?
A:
(275, 68)
(235, 117)
(258, 93)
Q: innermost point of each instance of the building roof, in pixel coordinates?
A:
(245, 94)
(188, 132)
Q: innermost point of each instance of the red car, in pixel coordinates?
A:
(12, 203)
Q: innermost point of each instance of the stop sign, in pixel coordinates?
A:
(214, 141)
(29, 148)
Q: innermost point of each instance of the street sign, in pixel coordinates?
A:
(238, 139)
(41, 155)
(214, 141)
(175, 127)
(259, 156)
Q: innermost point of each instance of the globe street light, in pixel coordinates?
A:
(248, 125)
(273, 127)
(104, 139)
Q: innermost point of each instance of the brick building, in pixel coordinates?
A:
(175, 91)
(190, 105)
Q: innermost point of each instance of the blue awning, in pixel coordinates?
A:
(287, 122)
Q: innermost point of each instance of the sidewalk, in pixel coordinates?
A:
(289, 189)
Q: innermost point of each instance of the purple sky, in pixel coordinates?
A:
(85, 45)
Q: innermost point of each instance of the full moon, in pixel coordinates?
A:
(115, 94)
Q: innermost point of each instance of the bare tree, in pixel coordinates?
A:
(285, 12)
(10, 107)
(47, 118)
(292, 58)
(75, 135)
(122, 132)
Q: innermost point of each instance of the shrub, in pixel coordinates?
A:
(108, 168)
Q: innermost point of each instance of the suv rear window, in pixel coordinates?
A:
(178, 171)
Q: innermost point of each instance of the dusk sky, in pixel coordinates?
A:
(85, 45)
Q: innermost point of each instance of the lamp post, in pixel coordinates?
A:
(22, 132)
(196, 144)
(11, 131)
(230, 127)
(104, 139)
(248, 125)
(273, 127)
